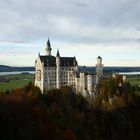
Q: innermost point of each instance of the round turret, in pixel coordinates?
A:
(99, 69)
(99, 60)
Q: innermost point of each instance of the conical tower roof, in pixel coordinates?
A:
(48, 48)
(57, 54)
(48, 45)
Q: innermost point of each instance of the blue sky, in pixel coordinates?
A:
(85, 29)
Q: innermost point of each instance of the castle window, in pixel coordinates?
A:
(38, 75)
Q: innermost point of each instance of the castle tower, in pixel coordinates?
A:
(48, 48)
(58, 70)
(99, 67)
(90, 83)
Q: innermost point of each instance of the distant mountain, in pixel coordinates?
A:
(4, 68)
(111, 69)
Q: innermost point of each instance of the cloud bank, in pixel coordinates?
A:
(93, 23)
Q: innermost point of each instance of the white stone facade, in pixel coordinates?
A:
(53, 72)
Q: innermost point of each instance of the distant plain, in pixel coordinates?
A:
(15, 81)
(21, 80)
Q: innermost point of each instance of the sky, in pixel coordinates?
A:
(85, 29)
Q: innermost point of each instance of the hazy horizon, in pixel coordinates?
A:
(79, 66)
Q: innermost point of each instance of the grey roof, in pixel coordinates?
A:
(64, 61)
(48, 60)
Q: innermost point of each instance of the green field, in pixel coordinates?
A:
(134, 79)
(16, 81)
(20, 80)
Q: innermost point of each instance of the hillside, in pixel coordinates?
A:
(26, 114)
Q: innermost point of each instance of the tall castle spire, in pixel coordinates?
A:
(48, 48)
(57, 54)
(58, 70)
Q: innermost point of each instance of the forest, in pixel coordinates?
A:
(27, 114)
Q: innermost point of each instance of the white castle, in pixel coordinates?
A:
(53, 72)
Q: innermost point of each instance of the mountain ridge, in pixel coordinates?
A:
(5, 68)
